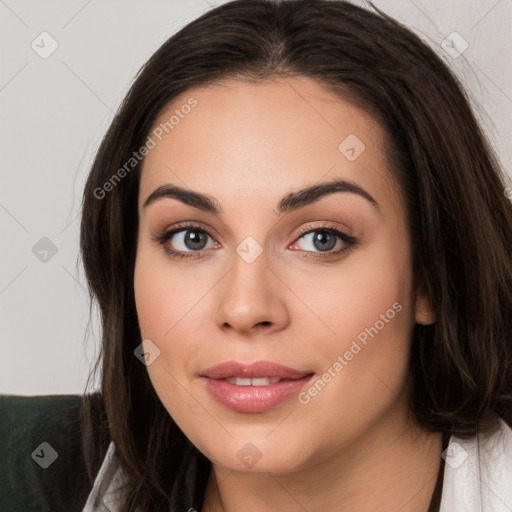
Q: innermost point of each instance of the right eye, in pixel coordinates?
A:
(185, 241)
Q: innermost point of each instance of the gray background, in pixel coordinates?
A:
(55, 110)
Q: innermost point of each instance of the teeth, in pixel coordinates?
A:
(239, 381)
(260, 381)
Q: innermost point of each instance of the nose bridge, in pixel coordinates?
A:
(250, 295)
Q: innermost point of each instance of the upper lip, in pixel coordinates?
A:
(254, 370)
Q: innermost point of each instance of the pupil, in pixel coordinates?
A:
(195, 239)
(326, 241)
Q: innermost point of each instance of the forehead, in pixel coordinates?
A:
(265, 138)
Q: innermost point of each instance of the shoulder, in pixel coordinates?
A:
(478, 472)
(41, 451)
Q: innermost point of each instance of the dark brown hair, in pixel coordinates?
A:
(460, 220)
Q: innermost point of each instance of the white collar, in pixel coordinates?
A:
(477, 475)
(110, 498)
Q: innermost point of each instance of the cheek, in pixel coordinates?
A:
(368, 308)
(152, 298)
(169, 304)
(162, 301)
(353, 296)
(163, 295)
(372, 316)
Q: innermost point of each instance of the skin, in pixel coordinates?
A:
(354, 446)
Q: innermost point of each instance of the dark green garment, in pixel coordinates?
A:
(26, 423)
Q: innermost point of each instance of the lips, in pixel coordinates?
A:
(257, 370)
(256, 387)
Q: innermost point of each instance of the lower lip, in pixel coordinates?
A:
(254, 398)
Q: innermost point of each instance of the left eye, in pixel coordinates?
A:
(189, 240)
(322, 240)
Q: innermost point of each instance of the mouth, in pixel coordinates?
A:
(256, 387)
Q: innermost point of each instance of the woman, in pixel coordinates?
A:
(299, 241)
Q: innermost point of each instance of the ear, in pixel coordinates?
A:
(425, 315)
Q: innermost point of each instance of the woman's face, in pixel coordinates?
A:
(265, 276)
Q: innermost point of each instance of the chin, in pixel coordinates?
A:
(245, 456)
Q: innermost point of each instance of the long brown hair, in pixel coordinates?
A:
(459, 218)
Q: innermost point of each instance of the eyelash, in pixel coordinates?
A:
(165, 235)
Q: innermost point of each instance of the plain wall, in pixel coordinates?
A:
(55, 110)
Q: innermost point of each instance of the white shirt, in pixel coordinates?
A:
(477, 475)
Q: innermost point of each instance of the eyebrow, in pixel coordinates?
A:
(290, 202)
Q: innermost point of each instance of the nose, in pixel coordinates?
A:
(251, 299)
